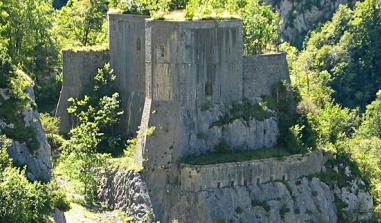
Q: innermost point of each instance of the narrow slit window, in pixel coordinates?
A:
(138, 44)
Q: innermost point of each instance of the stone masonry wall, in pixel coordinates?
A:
(262, 72)
(78, 68)
(202, 177)
(127, 50)
(188, 64)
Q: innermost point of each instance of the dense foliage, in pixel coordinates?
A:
(338, 75)
(23, 201)
(101, 107)
(16, 83)
(25, 30)
(81, 23)
(97, 117)
(341, 58)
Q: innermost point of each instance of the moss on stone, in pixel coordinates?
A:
(262, 204)
(283, 211)
(244, 110)
(235, 156)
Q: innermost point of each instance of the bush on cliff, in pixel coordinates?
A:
(23, 201)
(94, 136)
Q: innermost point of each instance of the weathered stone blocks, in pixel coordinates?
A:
(79, 66)
(202, 177)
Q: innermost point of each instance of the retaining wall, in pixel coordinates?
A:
(201, 177)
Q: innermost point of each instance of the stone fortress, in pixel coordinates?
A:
(180, 78)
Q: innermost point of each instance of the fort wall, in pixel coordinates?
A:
(262, 72)
(78, 68)
(188, 64)
(127, 50)
(203, 177)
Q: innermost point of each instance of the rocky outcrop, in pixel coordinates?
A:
(355, 201)
(237, 133)
(38, 161)
(299, 17)
(126, 190)
(302, 200)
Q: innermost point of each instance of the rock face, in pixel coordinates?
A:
(356, 201)
(38, 162)
(301, 200)
(238, 134)
(126, 190)
(299, 17)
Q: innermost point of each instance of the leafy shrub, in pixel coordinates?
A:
(100, 108)
(11, 109)
(58, 197)
(23, 201)
(244, 110)
(50, 125)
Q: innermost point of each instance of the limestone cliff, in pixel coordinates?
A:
(299, 17)
(37, 160)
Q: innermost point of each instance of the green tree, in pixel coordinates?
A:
(23, 201)
(371, 126)
(332, 122)
(340, 60)
(101, 106)
(25, 30)
(82, 23)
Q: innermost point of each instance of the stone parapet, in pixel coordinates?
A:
(201, 177)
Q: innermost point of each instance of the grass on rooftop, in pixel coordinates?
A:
(235, 156)
(180, 15)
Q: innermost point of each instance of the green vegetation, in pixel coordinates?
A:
(21, 200)
(79, 213)
(128, 161)
(244, 110)
(100, 111)
(262, 204)
(261, 25)
(11, 108)
(50, 125)
(25, 30)
(235, 156)
(338, 79)
(334, 101)
(94, 137)
(340, 58)
(296, 134)
(81, 23)
(283, 211)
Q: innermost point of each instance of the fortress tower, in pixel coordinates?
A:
(178, 81)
